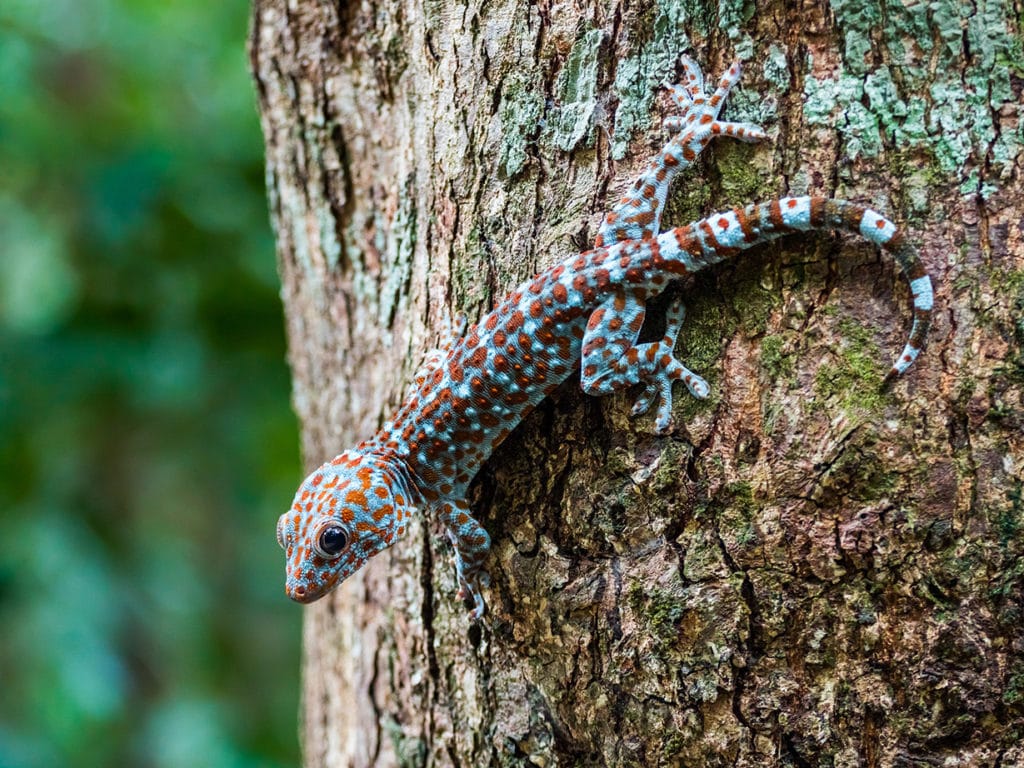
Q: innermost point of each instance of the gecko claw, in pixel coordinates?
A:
(472, 592)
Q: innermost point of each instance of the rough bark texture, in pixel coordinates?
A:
(807, 571)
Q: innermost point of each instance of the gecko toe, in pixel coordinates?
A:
(696, 384)
(645, 400)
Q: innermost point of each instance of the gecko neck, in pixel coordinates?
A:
(394, 465)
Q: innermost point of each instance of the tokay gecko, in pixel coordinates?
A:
(583, 315)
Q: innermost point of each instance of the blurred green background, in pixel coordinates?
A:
(146, 440)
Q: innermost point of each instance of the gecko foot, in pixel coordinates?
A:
(470, 543)
(661, 369)
(659, 387)
(471, 590)
(699, 110)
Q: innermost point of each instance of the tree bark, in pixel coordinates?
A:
(808, 571)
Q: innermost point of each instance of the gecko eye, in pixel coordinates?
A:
(331, 541)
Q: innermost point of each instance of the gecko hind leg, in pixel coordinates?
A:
(613, 360)
(637, 216)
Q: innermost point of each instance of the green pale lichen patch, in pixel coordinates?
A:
(949, 110)
(777, 362)
(837, 104)
(853, 380)
(748, 104)
(522, 106)
(732, 15)
(776, 67)
(638, 77)
(661, 611)
(571, 122)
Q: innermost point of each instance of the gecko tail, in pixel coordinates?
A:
(879, 230)
(722, 235)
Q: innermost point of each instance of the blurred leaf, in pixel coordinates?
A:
(147, 443)
(37, 285)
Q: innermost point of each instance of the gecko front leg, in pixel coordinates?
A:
(471, 544)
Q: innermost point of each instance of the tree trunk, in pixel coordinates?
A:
(808, 571)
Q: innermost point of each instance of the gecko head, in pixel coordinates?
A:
(343, 514)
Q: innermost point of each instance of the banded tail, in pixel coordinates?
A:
(721, 235)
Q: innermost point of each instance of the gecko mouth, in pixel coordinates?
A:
(302, 593)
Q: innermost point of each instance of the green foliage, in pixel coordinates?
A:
(147, 444)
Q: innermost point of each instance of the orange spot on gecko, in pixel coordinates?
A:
(356, 497)
(478, 358)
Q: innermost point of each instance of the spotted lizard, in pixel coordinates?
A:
(583, 314)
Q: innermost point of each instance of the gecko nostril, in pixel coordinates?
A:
(300, 591)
